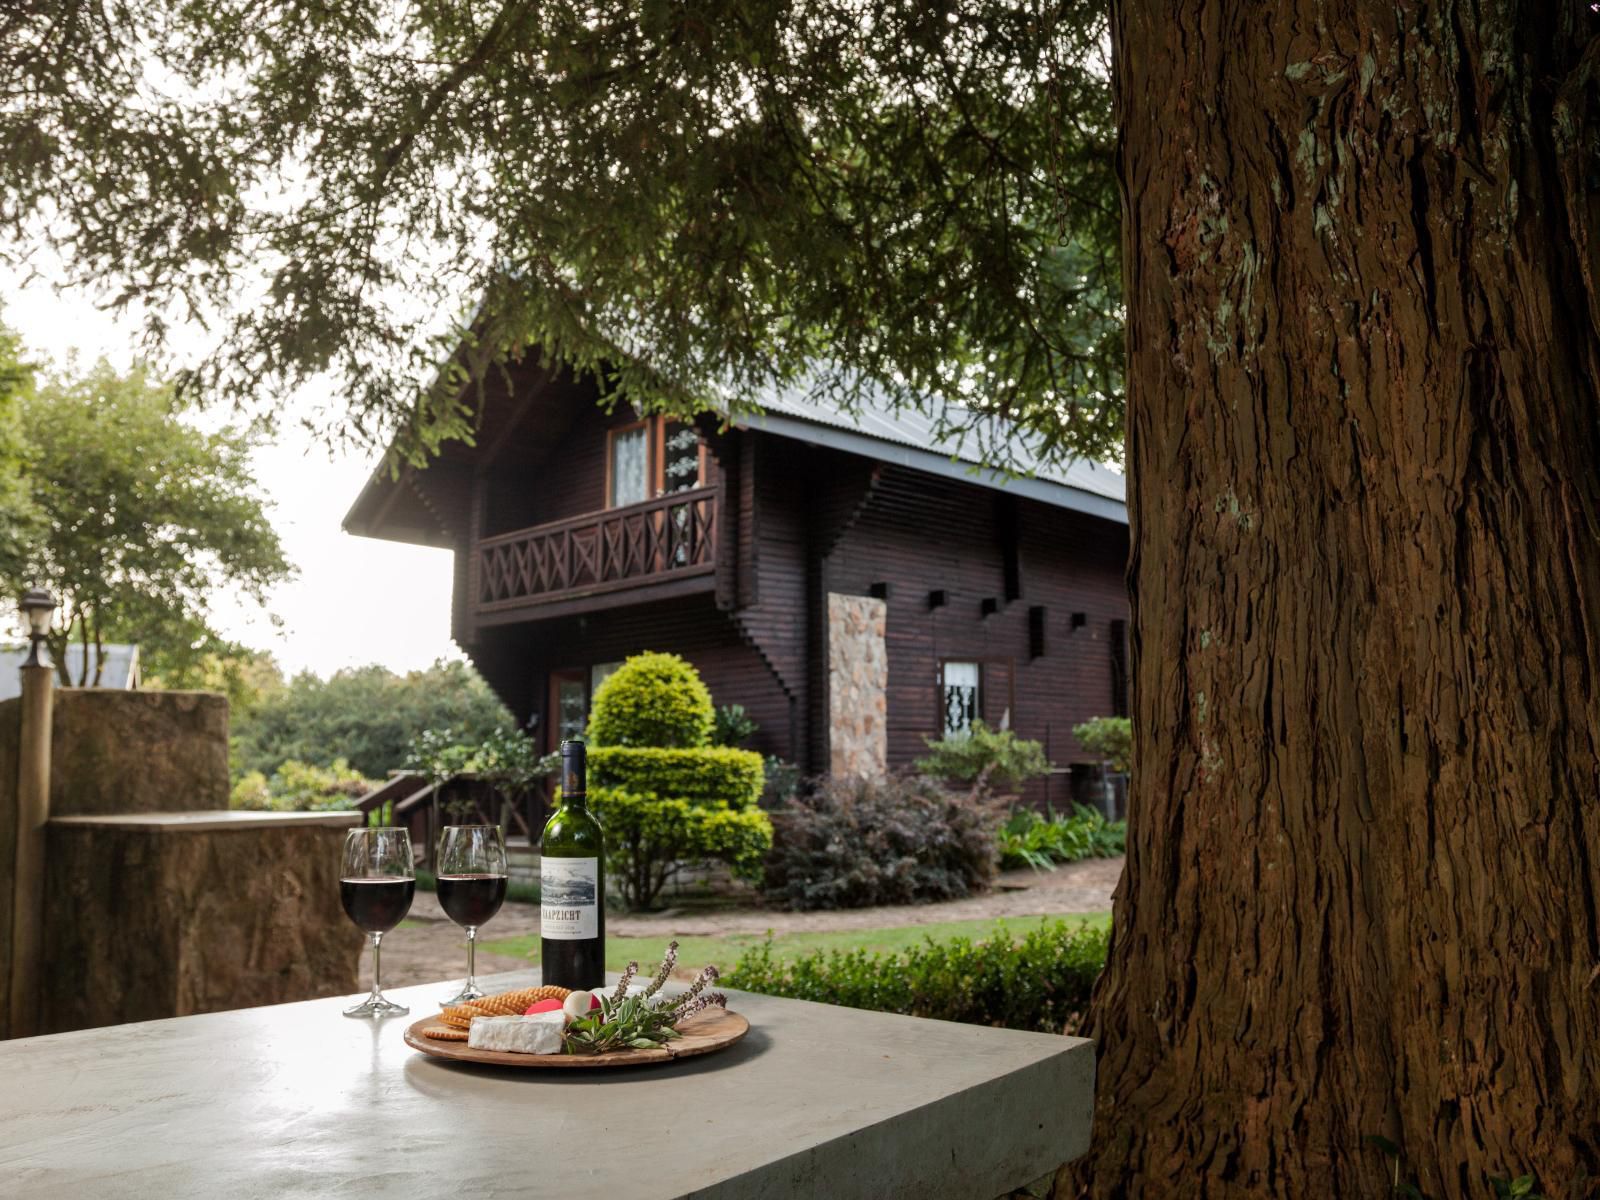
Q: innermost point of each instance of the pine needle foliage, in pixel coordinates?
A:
(697, 200)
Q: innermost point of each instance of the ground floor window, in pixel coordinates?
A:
(572, 692)
(958, 690)
(598, 674)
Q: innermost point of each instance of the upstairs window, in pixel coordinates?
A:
(958, 691)
(629, 465)
(680, 457)
(653, 457)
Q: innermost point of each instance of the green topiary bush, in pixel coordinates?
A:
(720, 773)
(652, 700)
(650, 838)
(663, 795)
(1041, 982)
(851, 843)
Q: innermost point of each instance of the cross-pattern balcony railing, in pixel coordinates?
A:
(670, 537)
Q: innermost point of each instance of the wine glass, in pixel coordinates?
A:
(376, 884)
(472, 887)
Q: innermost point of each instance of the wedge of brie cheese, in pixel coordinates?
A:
(538, 1034)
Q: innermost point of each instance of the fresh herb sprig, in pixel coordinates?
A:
(641, 1022)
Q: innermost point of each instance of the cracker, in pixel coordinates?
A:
(444, 1033)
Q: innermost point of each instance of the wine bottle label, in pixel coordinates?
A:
(569, 889)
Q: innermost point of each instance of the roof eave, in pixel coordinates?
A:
(1046, 491)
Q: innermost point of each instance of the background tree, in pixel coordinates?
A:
(366, 716)
(17, 514)
(1364, 417)
(142, 517)
(1360, 267)
(733, 192)
(245, 676)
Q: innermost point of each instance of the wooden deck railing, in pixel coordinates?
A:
(672, 536)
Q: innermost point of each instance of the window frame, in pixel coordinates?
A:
(655, 428)
(941, 729)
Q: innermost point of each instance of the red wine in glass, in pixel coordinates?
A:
(376, 884)
(472, 887)
(471, 899)
(377, 905)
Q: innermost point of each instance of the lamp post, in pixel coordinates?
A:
(33, 813)
(38, 606)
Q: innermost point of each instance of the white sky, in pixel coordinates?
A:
(355, 600)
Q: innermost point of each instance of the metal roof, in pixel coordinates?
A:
(122, 667)
(803, 411)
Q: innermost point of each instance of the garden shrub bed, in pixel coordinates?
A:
(855, 843)
(1041, 981)
(1029, 840)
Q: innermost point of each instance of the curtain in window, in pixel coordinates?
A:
(960, 693)
(682, 469)
(630, 467)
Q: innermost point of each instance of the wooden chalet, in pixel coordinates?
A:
(855, 583)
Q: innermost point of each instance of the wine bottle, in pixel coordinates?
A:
(572, 882)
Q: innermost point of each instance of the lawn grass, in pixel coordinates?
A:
(724, 949)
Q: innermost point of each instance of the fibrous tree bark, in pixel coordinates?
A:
(1362, 250)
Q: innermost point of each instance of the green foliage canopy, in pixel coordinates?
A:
(366, 715)
(140, 516)
(920, 195)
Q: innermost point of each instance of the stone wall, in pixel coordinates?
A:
(144, 923)
(858, 677)
(116, 751)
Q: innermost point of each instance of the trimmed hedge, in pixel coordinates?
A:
(1041, 982)
(715, 774)
(649, 837)
(652, 700)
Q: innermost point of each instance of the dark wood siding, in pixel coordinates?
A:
(694, 628)
(920, 533)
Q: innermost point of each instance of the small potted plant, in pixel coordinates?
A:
(1111, 738)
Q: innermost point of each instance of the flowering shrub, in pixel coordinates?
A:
(851, 843)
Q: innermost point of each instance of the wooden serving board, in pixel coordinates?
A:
(707, 1031)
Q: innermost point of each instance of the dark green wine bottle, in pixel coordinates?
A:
(572, 882)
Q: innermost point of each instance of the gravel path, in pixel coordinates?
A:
(436, 949)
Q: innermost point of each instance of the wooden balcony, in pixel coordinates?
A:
(666, 545)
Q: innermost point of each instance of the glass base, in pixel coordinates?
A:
(377, 1007)
(469, 991)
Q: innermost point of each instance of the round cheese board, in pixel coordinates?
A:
(707, 1031)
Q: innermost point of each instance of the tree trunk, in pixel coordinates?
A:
(1363, 283)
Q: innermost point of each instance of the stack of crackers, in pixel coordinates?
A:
(455, 1020)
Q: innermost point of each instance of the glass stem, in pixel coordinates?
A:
(377, 965)
(472, 957)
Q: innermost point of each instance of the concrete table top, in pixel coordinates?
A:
(196, 822)
(295, 1100)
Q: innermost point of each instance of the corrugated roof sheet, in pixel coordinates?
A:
(989, 440)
